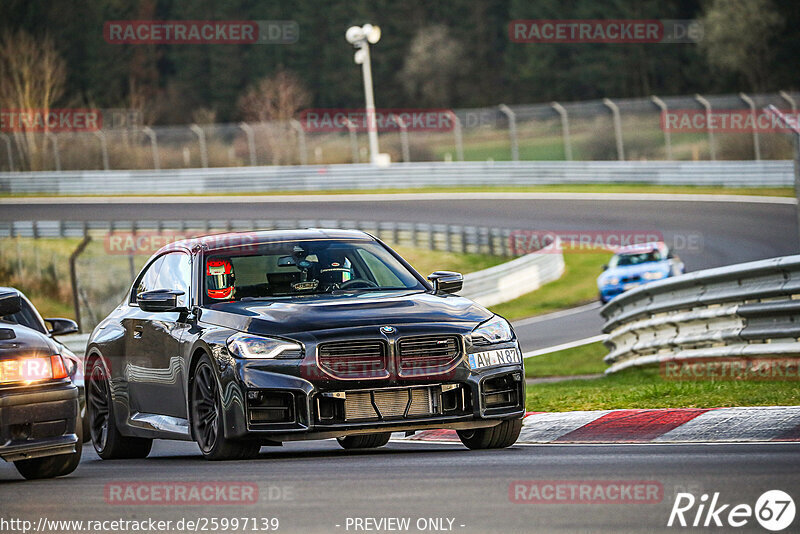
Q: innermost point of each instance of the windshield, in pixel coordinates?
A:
(26, 316)
(623, 260)
(298, 268)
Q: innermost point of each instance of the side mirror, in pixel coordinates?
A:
(60, 327)
(160, 300)
(10, 303)
(605, 266)
(446, 281)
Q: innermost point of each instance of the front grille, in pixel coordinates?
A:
(427, 355)
(388, 403)
(353, 359)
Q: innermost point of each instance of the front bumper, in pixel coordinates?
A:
(38, 421)
(281, 407)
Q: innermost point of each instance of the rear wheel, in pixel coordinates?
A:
(207, 418)
(365, 441)
(497, 437)
(53, 466)
(106, 438)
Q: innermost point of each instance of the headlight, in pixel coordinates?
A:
(612, 280)
(495, 330)
(654, 275)
(249, 346)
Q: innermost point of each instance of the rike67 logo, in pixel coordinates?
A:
(774, 510)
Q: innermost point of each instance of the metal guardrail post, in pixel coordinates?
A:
(403, 138)
(667, 136)
(301, 141)
(562, 112)
(617, 127)
(56, 156)
(201, 138)
(786, 96)
(457, 133)
(10, 152)
(103, 148)
(153, 146)
(756, 144)
(512, 130)
(251, 141)
(711, 147)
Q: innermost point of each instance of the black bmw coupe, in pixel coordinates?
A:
(242, 340)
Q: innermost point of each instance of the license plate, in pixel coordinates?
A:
(491, 358)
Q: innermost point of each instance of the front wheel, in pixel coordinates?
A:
(497, 437)
(52, 466)
(365, 441)
(207, 418)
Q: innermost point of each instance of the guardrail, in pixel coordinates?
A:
(401, 175)
(749, 310)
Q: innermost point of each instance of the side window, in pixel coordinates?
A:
(149, 280)
(176, 273)
(383, 275)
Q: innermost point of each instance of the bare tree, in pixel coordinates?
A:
(273, 102)
(32, 77)
(433, 62)
(737, 37)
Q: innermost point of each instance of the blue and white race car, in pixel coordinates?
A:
(634, 265)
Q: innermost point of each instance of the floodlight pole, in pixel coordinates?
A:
(792, 125)
(369, 97)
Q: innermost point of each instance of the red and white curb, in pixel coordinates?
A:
(685, 425)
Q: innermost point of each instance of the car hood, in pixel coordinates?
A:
(17, 340)
(326, 312)
(632, 270)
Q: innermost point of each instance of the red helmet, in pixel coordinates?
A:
(219, 279)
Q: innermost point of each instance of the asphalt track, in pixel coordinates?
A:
(707, 231)
(313, 487)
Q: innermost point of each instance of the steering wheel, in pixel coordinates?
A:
(356, 282)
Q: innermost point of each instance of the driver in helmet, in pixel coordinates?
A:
(335, 271)
(219, 279)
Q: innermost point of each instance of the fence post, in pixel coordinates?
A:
(153, 146)
(10, 152)
(103, 148)
(351, 131)
(794, 128)
(512, 130)
(711, 147)
(617, 127)
(251, 141)
(56, 156)
(201, 137)
(667, 137)
(564, 130)
(301, 141)
(73, 275)
(459, 139)
(786, 96)
(403, 138)
(756, 145)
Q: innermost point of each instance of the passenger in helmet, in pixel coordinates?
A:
(219, 279)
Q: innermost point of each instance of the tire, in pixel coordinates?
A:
(602, 299)
(53, 466)
(365, 441)
(106, 438)
(497, 437)
(207, 424)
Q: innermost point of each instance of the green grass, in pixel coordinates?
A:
(554, 188)
(644, 388)
(583, 360)
(577, 286)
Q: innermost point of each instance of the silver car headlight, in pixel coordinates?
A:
(250, 346)
(495, 330)
(612, 280)
(654, 275)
